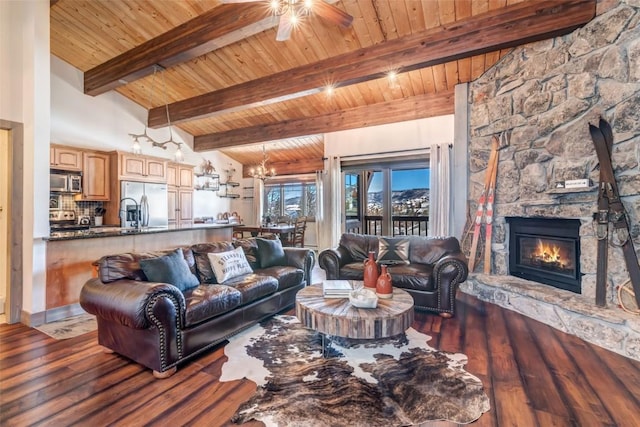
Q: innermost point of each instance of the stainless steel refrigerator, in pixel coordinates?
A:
(144, 202)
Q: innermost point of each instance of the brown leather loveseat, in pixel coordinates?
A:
(434, 269)
(159, 325)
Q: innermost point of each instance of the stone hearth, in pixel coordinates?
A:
(544, 95)
(566, 311)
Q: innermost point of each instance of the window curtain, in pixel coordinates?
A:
(440, 190)
(330, 226)
(258, 202)
(320, 214)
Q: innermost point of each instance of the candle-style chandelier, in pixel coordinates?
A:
(261, 171)
(136, 148)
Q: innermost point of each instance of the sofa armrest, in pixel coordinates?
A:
(331, 260)
(451, 269)
(129, 302)
(301, 258)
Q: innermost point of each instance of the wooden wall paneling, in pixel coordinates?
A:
(446, 12)
(464, 69)
(183, 42)
(480, 6)
(440, 77)
(477, 66)
(451, 43)
(451, 73)
(369, 31)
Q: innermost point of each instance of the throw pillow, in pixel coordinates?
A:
(270, 252)
(393, 250)
(227, 265)
(171, 268)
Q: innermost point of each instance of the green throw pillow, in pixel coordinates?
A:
(393, 250)
(270, 252)
(171, 268)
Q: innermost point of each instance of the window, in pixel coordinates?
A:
(290, 199)
(352, 195)
(391, 198)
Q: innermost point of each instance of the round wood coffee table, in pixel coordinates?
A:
(337, 317)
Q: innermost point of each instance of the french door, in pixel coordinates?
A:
(387, 200)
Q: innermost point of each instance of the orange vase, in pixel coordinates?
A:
(384, 288)
(370, 271)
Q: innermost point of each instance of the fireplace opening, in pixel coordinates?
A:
(546, 250)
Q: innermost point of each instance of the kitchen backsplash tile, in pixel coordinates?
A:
(67, 202)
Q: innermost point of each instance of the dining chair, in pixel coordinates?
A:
(299, 227)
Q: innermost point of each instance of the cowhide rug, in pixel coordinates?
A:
(391, 382)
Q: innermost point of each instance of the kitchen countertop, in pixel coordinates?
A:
(110, 231)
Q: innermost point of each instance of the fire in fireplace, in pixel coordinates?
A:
(545, 250)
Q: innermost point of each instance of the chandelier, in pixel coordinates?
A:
(261, 171)
(136, 148)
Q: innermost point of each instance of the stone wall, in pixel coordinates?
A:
(544, 95)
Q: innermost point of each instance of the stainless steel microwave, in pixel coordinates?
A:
(65, 182)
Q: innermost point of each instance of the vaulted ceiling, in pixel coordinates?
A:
(233, 86)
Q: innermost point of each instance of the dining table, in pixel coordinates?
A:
(283, 231)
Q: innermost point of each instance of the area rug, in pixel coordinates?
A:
(70, 327)
(393, 382)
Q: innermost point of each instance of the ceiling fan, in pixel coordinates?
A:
(290, 12)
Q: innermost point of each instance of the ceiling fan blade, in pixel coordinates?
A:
(285, 26)
(239, 1)
(332, 13)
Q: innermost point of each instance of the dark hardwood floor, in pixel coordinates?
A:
(533, 374)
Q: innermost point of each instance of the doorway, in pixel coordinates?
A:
(387, 199)
(11, 186)
(4, 223)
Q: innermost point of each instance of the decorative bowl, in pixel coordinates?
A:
(363, 298)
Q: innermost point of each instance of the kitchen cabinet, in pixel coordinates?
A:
(65, 158)
(141, 168)
(95, 176)
(185, 213)
(179, 175)
(180, 193)
(180, 205)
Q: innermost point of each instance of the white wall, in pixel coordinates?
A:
(372, 142)
(24, 84)
(410, 135)
(105, 121)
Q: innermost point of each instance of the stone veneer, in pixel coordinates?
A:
(544, 94)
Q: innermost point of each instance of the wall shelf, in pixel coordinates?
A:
(557, 191)
(225, 193)
(207, 181)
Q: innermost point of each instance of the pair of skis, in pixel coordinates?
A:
(611, 209)
(486, 197)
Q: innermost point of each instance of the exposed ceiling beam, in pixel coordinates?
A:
(503, 28)
(399, 110)
(212, 30)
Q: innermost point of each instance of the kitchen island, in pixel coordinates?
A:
(70, 256)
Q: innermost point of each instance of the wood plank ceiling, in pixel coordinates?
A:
(233, 86)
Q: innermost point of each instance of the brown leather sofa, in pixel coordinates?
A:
(159, 326)
(436, 267)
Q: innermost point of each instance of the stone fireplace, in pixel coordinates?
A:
(545, 250)
(544, 95)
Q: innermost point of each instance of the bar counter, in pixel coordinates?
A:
(108, 231)
(70, 256)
